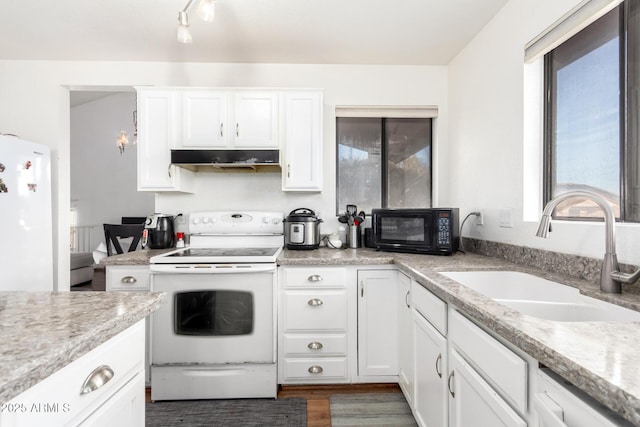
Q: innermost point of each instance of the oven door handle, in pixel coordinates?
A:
(211, 268)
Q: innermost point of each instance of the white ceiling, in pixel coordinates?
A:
(405, 32)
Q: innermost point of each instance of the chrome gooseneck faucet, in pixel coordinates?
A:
(610, 276)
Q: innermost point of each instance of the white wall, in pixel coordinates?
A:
(103, 181)
(488, 127)
(34, 103)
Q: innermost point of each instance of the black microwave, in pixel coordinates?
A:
(424, 231)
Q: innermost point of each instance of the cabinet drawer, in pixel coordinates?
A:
(315, 310)
(324, 277)
(56, 400)
(127, 278)
(316, 368)
(315, 345)
(430, 307)
(501, 367)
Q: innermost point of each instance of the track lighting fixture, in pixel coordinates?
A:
(206, 11)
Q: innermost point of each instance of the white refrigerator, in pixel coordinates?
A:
(26, 247)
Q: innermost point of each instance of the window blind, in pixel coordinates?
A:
(394, 112)
(585, 13)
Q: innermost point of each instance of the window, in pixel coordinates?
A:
(383, 162)
(591, 123)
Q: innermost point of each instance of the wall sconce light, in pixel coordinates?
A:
(206, 11)
(123, 138)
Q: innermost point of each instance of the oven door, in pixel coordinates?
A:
(223, 316)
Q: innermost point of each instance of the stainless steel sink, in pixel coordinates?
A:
(541, 298)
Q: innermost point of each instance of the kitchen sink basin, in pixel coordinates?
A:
(542, 298)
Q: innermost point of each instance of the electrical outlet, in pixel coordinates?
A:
(180, 218)
(480, 218)
(506, 219)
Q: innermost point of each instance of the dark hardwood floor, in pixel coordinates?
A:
(98, 283)
(318, 412)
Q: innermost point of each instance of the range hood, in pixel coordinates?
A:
(252, 160)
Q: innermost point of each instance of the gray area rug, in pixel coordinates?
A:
(288, 412)
(370, 409)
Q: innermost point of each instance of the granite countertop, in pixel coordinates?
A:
(43, 332)
(601, 358)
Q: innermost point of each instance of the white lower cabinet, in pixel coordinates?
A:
(472, 400)
(430, 374)
(313, 318)
(377, 323)
(102, 388)
(558, 403)
(405, 338)
(430, 357)
(132, 278)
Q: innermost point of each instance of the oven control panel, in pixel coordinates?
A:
(232, 222)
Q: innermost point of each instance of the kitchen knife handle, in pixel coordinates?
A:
(315, 302)
(315, 278)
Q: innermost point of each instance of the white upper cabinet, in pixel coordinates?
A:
(301, 150)
(255, 120)
(158, 129)
(219, 119)
(204, 119)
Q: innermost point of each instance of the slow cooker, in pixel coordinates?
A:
(302, 229)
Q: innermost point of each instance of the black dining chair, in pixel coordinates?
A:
(113, 232)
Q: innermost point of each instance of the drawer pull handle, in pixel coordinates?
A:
(449, 381)
(438, 360)
(315, 302)
(315, 345)
(128, 279)
(221, 130)
(406, 299)
(315, 278)
(96, 379)
(315, 369)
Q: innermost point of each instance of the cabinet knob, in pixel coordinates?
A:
(315, 345)
(315, 302)
(315, 278)
(315, 369)
(449, 382)
(128, 280)
(96, 379)
(438, 361)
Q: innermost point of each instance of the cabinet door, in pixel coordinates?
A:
(472, 399)
(123, 409)
(204, 114)
(377, 322)
(256, 120)
(431, 401)
(157, 133)
(405, 338)
(302, 143)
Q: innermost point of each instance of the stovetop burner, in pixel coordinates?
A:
(225, 252)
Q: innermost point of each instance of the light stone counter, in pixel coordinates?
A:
(43, 332)
(133, 258)
(601, 358)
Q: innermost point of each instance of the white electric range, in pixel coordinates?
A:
(215, 337)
